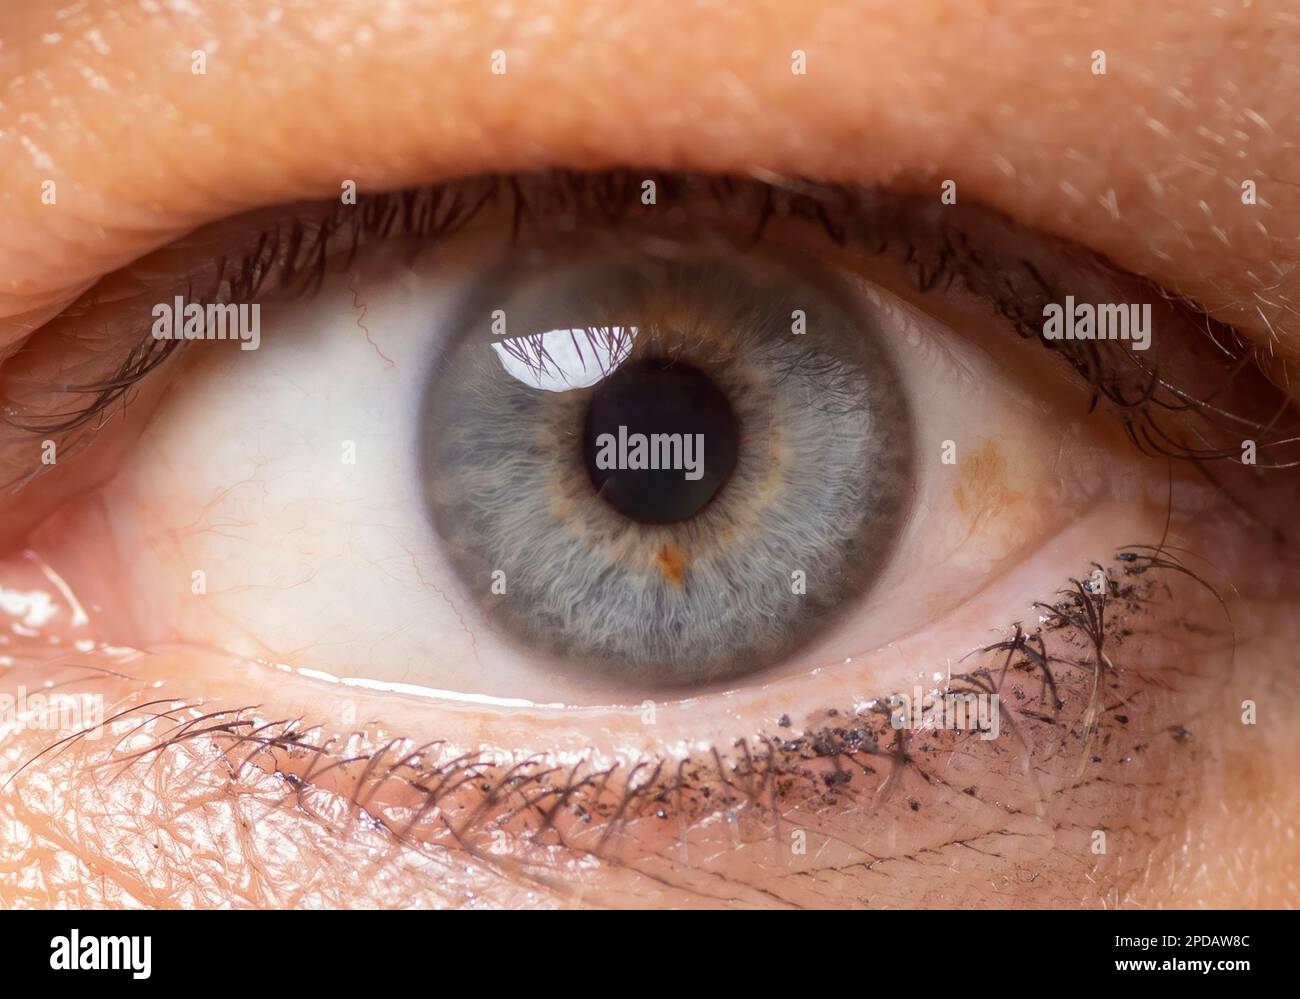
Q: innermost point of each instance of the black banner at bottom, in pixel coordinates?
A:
(343, 949)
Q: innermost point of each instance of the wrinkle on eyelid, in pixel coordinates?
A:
(187, 803)
(1145, 168)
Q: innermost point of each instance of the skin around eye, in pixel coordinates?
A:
(1195, 800)
(737, 107)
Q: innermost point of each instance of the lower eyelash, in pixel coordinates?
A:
(1066, 680)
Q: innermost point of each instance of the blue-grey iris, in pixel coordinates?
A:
(754, 452)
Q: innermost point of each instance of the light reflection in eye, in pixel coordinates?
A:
(34, 608)
(560, 360)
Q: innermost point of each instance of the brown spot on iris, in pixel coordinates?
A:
(672, 562)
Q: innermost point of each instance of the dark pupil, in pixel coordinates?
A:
(650, 399)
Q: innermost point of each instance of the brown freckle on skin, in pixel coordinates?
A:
(982, 489)
(672, 562)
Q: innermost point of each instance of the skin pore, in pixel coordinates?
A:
(1142, 165)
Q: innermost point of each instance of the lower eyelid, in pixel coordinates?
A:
(1041, 790)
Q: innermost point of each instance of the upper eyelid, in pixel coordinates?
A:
(292, 251)
(864, 135)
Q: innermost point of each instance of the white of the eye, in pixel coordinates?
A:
(562, 360)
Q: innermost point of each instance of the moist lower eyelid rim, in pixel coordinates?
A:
(433, 794)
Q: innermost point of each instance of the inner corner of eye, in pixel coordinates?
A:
(666, 471)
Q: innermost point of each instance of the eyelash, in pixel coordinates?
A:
(297, 257)
(816, 765)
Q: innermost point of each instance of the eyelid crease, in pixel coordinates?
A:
(292, 256)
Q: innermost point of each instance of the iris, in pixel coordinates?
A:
(784, 458)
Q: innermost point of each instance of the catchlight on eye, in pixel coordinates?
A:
(646, 469)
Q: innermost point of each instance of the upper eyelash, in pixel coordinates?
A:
(297, 257)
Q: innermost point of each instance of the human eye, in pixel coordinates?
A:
(413, 504)
(459, 513)
(920, 577)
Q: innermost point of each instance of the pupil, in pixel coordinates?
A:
(670, 415)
